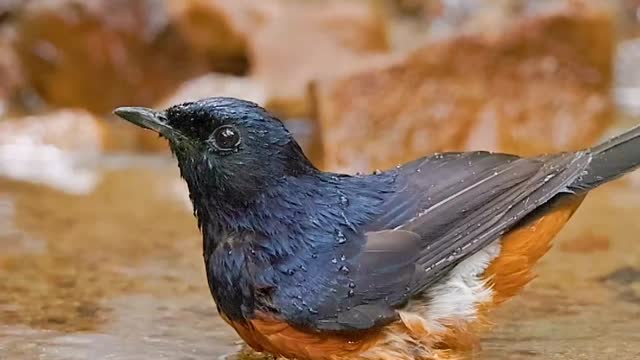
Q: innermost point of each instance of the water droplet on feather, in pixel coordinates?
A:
(344, 201)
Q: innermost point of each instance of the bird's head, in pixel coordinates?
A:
(232, 147)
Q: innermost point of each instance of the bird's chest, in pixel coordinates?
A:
(244, 279)
(232, 281)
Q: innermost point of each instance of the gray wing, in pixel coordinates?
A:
(484, 196)
(445, 209)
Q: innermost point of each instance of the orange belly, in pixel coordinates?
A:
(522, 247)
(410, 338)
(267, 334)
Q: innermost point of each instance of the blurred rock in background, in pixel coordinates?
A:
(102, 54)
(369, 83)
(286, 43)
(539, 86)
(313, 40)
(43, 149)
(218, 29)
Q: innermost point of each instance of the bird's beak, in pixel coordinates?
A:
(148, 119)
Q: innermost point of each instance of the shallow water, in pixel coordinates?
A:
(115, 272)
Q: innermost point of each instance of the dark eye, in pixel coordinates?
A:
(226, 137)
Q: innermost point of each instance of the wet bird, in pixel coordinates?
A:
(400, 264)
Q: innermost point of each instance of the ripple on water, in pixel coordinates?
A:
(140, 327)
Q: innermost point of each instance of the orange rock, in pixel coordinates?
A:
(287, 43)
(52, 149)
(102, 54)
(219, 28)
(322, 38)
(537, 86)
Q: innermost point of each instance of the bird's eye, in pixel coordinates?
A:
(226, 137)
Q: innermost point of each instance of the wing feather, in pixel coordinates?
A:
(444, 209)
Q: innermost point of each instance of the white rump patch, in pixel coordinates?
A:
(457, 296)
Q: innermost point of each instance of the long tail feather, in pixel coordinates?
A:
(610, 160)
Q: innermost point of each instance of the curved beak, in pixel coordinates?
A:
(148, 119)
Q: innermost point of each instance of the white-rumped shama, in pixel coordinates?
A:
(400, 264)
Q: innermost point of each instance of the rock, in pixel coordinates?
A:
(220, 28)
(438, 19)
(67, 129)
(287, 43)
(322, 39)
(101, 54)
(537, 86)
(44, 149)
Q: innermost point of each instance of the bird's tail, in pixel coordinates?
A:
(610, 160)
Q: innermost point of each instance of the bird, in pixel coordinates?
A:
(405, 263)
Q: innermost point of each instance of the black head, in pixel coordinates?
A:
(230, 146)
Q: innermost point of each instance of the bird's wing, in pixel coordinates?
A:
(446, 208)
